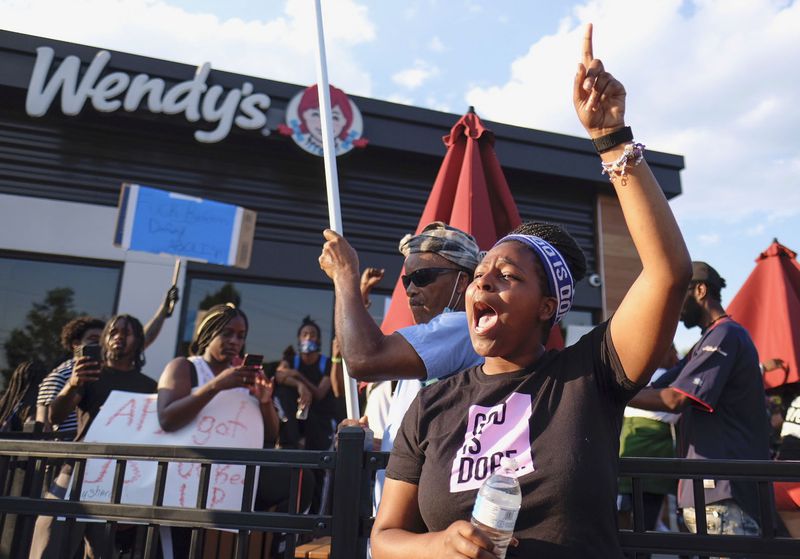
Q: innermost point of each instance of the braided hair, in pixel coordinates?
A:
(564, 243)
(138, 335)
(18, 403)
(214, 322)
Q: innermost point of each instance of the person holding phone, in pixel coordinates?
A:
(94, 376)
(188, 384)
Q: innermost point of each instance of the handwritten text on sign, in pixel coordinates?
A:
(231, 419)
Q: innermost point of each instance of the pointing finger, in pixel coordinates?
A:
(588, 54)
(578, 94)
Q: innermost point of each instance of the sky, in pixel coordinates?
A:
(711, 80)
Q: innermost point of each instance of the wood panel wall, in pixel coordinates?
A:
(620, 262)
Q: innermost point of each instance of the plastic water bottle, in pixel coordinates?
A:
(497, 506)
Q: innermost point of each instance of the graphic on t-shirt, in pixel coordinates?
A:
(492, 433)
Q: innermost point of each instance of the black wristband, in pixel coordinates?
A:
(605, 143)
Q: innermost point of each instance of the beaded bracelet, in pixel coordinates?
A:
(632, 156)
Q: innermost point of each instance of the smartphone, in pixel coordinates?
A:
(92, 351)
(253, 360)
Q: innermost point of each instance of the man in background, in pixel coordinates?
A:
(718, 390)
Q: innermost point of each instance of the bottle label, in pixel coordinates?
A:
(493, 515)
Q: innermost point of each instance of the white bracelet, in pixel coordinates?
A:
(632, 156)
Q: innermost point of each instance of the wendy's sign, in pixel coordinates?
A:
(109, 92)
(304, 122)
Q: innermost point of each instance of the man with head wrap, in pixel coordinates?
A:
(438, 268)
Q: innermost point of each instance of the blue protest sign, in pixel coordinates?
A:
(163, 222)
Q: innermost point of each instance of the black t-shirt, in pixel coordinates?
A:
(94, 394)
(560, 419)
(315, 372)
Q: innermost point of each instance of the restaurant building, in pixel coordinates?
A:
(76, 122)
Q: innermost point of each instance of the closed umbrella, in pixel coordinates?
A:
(471, 193)
(768, 305)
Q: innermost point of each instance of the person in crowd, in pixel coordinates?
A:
(85, 330)
(438, 266)
(313, 419)
(80, 331)
(648, 434)
(188, 384)
(122, 341)
(558, 413)
(718, 390)
(18, 404)
(311, 370)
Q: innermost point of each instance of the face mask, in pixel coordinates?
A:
(309, 346)
(448, 308)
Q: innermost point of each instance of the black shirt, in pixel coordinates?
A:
(94, 394)
(561, 421)
(315, 372)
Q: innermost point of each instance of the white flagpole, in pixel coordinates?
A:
(331, 176)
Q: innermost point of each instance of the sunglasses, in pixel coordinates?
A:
(425, 276)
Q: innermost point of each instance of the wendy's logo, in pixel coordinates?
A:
(304, 122)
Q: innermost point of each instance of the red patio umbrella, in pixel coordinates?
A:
(768, 305)
(471, 193)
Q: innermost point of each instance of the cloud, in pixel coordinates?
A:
(436, 45)
(710, 83)
(283, 48)
(414, 77)
(709, 239)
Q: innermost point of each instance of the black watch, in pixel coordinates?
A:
(605, 143)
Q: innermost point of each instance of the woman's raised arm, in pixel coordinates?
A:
(644, 324)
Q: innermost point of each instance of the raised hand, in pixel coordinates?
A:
(337, 255)
(598, 97)
(370, 277)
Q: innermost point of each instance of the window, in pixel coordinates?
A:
(274, 312)
(59, 289)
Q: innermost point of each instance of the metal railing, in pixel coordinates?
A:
(26, 468)
(771, 543)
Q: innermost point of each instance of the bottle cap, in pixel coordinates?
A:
(509, 464)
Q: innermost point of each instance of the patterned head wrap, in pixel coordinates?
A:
(214, 322)
(448, 242)
(559, 277)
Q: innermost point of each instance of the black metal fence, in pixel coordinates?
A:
(773, 542)
(26, 469)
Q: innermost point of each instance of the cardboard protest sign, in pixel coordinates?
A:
(231, 419)
(162, 222)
